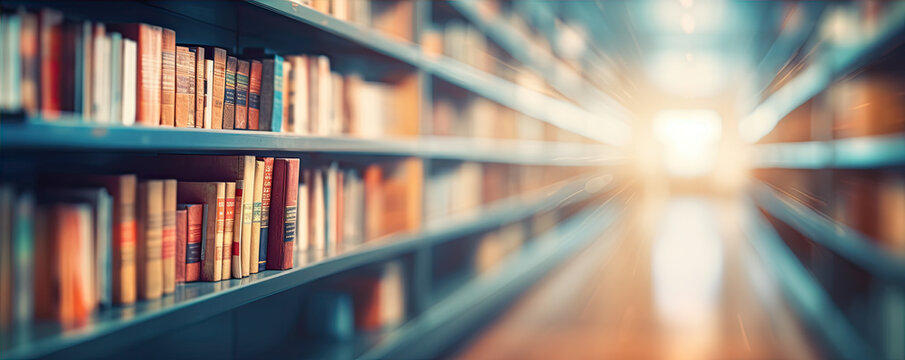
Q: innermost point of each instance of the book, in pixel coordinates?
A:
(11, 72)
(148, 41)
(236, 249)
(149, 239)
(228, 224)
(374, 202)
(116, 78)
(301, 233)
(287, 69)
(168, 245)
(168, 77)
(31, 63)
(317, 236)
(123, 189)
(23, 229)
(218, 88)
(50, 54)
(266, 190)
(255, 247)
(242, 72)
(208, 94)
(7, 199)
(195, 233)
(297, 97)
(254, 95)
(129, 78)
(212, 194)
(100, 72)
(63, 286)
(229, 94)
(283, 214)
(182, 231)
(200, 87)
(271, 116)
(330, 206)
(185, 88)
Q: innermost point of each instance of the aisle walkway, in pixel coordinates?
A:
(676, 282)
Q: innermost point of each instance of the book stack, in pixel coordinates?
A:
(127, 74)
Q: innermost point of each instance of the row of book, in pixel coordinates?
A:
(79, 241)
(871, 202)
(138, 74)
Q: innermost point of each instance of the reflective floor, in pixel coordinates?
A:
(677, 281)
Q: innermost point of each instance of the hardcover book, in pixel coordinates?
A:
(149, 41)
(255, 248)
(168, 247)
(168, 78)
(229, 94)
(182, 224)
(254, 95)
(283, 214)
(242, 72)
(195, 233)
(228, 224)
(212, 194)
(185, 87)
(149, 206)
(200, 88)
(265, 211)
(271, 118)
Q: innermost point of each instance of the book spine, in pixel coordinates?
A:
(254, 252)
(104, 249)
(290, 222)
(195, 218)
(185, 87)
(24, 260)
(218, 88)
(301, 233)
(267, 95)
(168, 77)
(214, 267)
(286, 96)
(277, 215)
(50, 34)
(149, 57)
(168, 247)
(200, 88)
(228, 233)
(229, 94)
(31, 63)
(124, 239)
(208, 93)
(265, 212)
(254, 95)
(181, 238)
(116, 78)
(236, 249)
(150, 216)
(248, 186)
(100, 73)
(242, 70)
(130, 69)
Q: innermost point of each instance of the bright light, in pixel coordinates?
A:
(688, 23)
(699, 74)
(689, 139)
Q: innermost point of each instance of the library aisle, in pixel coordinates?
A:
(678, 281)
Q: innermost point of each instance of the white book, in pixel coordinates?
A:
(130, 62)
(299, 101)
(339, 114)
(208, 91)
(316, 200)
(101, 74)
(325, 96)
(301, 233)
(116, 77)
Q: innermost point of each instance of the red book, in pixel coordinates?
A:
(50, 34)
(195, 214)
(265, 212)
(123, 189)
(283, 213)
(147, 78)
(63, 287)
(181, 236)
(254, 95)
(168, 77)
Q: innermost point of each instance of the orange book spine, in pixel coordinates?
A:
(185, 87)
(168, 246)
(150, 239)
(195, 221)
(219, 87)
(254, 95)
(168, 77)
(199, 85)
(182, 223)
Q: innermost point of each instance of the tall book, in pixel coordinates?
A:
(213, 194)
(182, 231)
(265, 211)
(100, 72)
(200, 88)
(168, 77)
(218, 84)
(374, 202)
(228, 223)
(254, 95)
(330, 205)
(317, 236)
(149, 249)
(195, 233)
(148, 67)
(229, 94)
(242, 72)
(185, 87)
(129, 78)
(254, 251)
(298, 94)
(168, 247)
(31, 63)
(116, 78)
(23, 228)
(287, 69)
(208, 94)
(301, 233)
(236, 249)
(283, 214)
(271, 94)
(50, 36)
(123, 189)
(63, 286)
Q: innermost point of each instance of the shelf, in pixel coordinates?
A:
(852, 153)
(838, 238)
(811, 302)
(829, 66)
(193, 302)
(479, 300)
(532, 103)
(74, 135)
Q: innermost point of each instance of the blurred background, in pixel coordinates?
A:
(560, 179)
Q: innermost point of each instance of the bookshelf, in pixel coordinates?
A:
(555, 172)
(852, 153)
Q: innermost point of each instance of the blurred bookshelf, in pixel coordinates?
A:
(413, 153)
(828, 132)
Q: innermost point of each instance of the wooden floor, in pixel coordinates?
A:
(677, 281)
